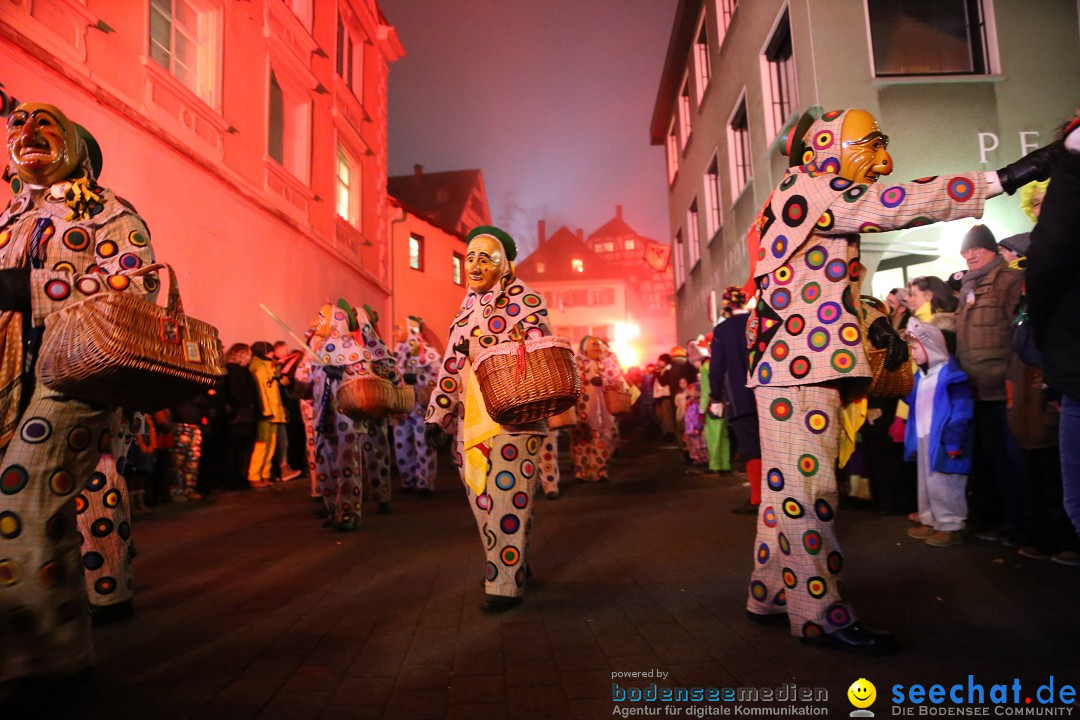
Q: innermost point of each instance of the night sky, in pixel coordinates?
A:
(550, 99)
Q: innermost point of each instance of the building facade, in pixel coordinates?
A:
(957, 85)
(602, 285)
(431, 214)
(251, 136)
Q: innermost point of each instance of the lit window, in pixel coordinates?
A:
(779, 68)
(679, 273)
(459, 268)
(672, 152)
(540, 267)
(685, 127)
(578, 265)
(348, 187)
(605, 247)
(416, 252)
(289, 127)
(739, 149)
(692, 237)
(185, 37)
(929, 37)
(702, 64)
(724, 10)
(350, 58)
(630, 244)
(712, 199)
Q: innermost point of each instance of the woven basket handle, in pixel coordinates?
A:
(174, 306)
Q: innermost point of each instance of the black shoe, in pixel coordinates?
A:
(106, 614)
(425, 492)
(384, 508)
(747, 508)
(857, 638)
(347, 524)
(780, 618)
(321, 512)
(553, 495)
(499, 603)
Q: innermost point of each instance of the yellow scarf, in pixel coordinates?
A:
(479, 429)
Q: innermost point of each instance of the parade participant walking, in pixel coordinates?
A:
(63, 238)
(347, 451)
(499, 464)
(730, 397)
(593, 439)
(419, 364)
(805, 342)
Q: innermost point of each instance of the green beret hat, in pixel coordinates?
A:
(509, 246)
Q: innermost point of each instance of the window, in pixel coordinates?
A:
(605, 247)
(416, 252)
(630, 244)
(739, 148)
(672, 153)
(929, 37)
(540, 267)
(713, 217)
(779, 69)
(724, 10)
(289, 128)
(459, 269)
(350, 58)
(684, 113)
(679, 275)
(348, 187)
(184, 39)
(577, 265)
(702, 66)
(600, 297)
(693, 240)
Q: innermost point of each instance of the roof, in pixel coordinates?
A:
(682, 34)
(616, 227)
(556, 253)
(421, 190)
(426, 217)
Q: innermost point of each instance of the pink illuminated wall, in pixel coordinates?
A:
(242, 222)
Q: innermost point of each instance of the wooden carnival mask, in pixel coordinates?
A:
(485, 263)
(42, 144)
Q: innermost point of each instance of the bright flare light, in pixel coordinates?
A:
(627, 355)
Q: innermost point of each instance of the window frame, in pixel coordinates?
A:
(987, 35)
(701, 57)
(714, 212)
(458, 266)
(677, 253)
(207, 85)
(296, 134)
(779, 77)
(672, 150)
(419, 252)
(354, 185)
(685, 113)
(349, 67)
(725, 13)
(693, 235)
(740, 148)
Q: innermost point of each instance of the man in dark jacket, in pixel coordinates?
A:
(729, 395)
(1053, 286)
(989, 295)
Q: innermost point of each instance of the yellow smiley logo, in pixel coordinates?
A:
(862, 693)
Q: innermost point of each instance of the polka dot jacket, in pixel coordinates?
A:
(75, 259)
(806, 328)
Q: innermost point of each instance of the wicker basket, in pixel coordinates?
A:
(367, 398)
(527, 381)
(403, 400)
(566, 418)
(118, 349)
(885, 383)
(618, 401)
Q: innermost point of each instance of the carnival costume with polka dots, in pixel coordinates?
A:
(415, 460)
(503, 511)
(55, 444)
(349, 453)
(804, 336)
(593, 438)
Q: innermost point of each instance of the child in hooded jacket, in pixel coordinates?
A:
(939, 436)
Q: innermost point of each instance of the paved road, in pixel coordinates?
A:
(247, 607)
